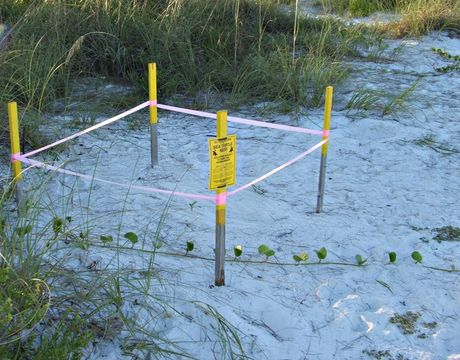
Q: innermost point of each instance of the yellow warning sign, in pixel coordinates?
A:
(222, 159)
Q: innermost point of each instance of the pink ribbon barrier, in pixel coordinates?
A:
(279, 168)
(242, 121)
(94, 127)
(14, 157)
(184, 111)
(39, 164)
(221, 199)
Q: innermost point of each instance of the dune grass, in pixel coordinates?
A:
(417, 16)
(250, 49)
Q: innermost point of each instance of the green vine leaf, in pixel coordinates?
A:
(360, 260)
(238, 250)
(321, 253)
(190, 245)
(106, 238)
(265, 250)
(417, 257)
(131, 237)
(301, 257)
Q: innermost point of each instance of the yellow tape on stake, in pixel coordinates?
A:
(222, 156)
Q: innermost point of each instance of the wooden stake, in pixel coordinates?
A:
(15, 150)
(153, 113)
(221, 207)
(326, 128)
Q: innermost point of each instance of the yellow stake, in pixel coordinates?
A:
(325, 147)
(327, 117)
(153, 113)
(14, 139)
(221, 206)
(153, 92)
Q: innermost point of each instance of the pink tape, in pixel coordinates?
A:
(242, 121)
(279, 168)
(130, 186)
(15, 157)
(97, 126)
(153, 103)
(221, 199)
(326, 132)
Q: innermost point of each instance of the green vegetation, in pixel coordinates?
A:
(364, 100)
(50, 309)
(447, 233)
(455, 59)
(245, 48)
(417, 17)
(359, 7)
(406, 322)
(232, 50)
(430, 141)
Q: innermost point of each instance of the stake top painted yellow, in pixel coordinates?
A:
(152, 67)
(14, 138)
(327, 117)
(221, 124)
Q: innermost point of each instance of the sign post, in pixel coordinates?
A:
(222, 158)
(15, 150)
(153, 112)
(324, 148)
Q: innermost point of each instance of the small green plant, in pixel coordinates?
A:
(392, 257)
(363, 100)
(360, 260)
(301, 257)
(132, 237)
(106, 238)
(455, 66)
(385, 285)
(398, 103)
(417, 257)
(321, 253)
(189, 246)
(238, 251)
(430, 142)
(406, 322)
(447, 233)
(58, 224)
(265, 250)
(192, 205)
(258, 189)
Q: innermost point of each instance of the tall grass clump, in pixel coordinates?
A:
(422, 16)
(417, 16)
(359, 7)
(198, 45)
